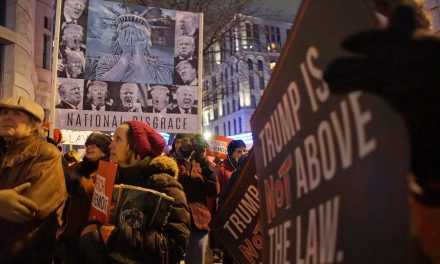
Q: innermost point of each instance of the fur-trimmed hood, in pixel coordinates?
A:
(164, 164)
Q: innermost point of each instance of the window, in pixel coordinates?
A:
(232, 86)
(251, 74)
(232, 70)
(224, 129)
(229, 110)
(47, 52)
(236, 66)
(47, 23)
(229, 128)
(216, 114)
(261, 74)
(216, 130)
(233, 105)
(239, 125)
(278, 35)
(253, 101)
(235, 127)
(3, 13)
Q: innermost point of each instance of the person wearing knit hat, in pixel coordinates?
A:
(224, 171)
(196, 174)
(32, 189)
(236, 149)
(137, 149)
(80, 179)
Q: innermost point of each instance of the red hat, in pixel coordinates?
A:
(148, 141)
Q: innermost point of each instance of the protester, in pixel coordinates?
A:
(32, 178)
(137, 149)
(185, 100)
(81, 180)
(236, 149)
(197, 177)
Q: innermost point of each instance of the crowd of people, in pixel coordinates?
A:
(45, 196)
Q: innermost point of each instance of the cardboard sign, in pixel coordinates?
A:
(244, 241)
(331, 169)
(102, 193)
(218, 147)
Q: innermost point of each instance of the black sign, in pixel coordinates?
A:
(238, 222)
(331, 169)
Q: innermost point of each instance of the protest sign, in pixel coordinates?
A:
(102, 193)
(218, 146)
(119, 62)
(332, 169)
(237, 224)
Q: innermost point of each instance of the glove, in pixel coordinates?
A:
(400, 64)
(15, 207)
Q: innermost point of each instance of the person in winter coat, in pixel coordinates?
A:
(197, 177)
(32, 180)
(236, 149)
(81, 180)
(137, 149)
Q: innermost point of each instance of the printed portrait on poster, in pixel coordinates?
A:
(72, 50)
(186, 100)
(96, 96)
(159, 99)
(70, 93)
(74, 12)
(130, 43)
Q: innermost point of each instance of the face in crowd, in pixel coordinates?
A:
(185, 97)
(73, 9)
(187, 24)
(186, 71)
(16, 124)
(120, 152)
(129, 95)
(97, 93)
(185, 45)
(160, 97)
(70, 92)
(238, 152)
(75, 63)
(73, 36)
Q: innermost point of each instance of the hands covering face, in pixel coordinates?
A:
(133, 38)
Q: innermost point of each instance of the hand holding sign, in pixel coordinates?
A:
(400, 64)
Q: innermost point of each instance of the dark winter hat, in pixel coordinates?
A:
(147, 140)
(100, 140)
(235, 144)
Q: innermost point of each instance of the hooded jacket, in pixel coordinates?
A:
(33, 160)
(159, 174)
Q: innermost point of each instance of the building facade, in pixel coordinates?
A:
(237, 71)
(26, 49)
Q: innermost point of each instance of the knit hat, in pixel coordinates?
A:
(235, 144)
(100, 140)
(148, 141)
(23, 104)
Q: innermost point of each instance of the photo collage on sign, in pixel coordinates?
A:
(127, 58)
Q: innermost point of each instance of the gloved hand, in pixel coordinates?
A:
(400, 64)
(15, 207)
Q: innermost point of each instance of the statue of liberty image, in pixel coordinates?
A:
(133, 59)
